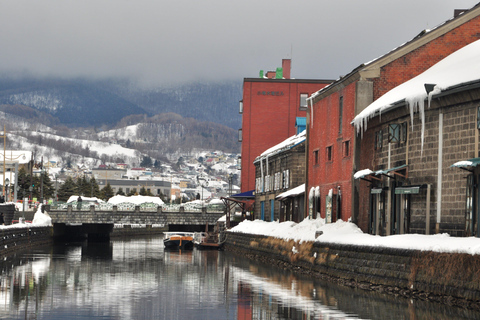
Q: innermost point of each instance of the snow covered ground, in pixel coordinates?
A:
(348, 233)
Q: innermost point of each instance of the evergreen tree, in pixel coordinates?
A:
(67, 189)
(23, 183)
(94, 189)
(107, 192)
(146, 162)
(48, 187)
(143, 191)
(120, 192)
(83, 186)
(132, 192)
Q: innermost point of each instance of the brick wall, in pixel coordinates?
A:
(270, 108)
(325, 133)
(419, 60)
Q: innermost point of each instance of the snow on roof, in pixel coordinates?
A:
(348, 233)
(292, 192)
(460, 67)
(135, 200)
(89, 199)
(284, 145)
(362, 173)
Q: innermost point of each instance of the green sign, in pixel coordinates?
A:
(407, 190)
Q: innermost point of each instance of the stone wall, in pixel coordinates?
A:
(133, 217)
(14, 239)
(427, 275)
(292, 160)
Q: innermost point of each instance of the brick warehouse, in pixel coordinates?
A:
(340, 151)
(277, 170)
(269, 108)
(425, 191)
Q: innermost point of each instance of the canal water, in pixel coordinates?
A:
(137, 279)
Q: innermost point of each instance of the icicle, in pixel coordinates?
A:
(411, 106)
(421, 105)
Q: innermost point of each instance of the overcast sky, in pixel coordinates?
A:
(160, 42)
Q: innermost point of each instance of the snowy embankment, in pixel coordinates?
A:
(40, 219)
(348, 233)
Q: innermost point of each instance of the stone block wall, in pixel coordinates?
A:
(292, 160)
(438, 276)
(14, 239)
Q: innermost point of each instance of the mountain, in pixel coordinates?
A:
(89, 103)
(205, 101)
(162, 123)
(77, 103)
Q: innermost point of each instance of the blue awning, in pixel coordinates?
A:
(244, 195)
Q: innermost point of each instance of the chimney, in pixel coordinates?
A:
(286, 66)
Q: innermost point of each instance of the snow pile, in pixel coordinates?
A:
(135, 200)
(461, 67)
(90, 199)
(303, 231)
(41, 219)
(216, 201)
(342, 232)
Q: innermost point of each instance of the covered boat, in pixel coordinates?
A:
(178, 240)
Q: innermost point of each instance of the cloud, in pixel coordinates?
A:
(161, 42)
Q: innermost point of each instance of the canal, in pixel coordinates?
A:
(137, 279)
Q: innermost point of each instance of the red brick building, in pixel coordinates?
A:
(269, 108)
(335, 151)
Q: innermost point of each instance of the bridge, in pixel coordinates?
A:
(100, 223)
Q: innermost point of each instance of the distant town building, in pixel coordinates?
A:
(156, 187)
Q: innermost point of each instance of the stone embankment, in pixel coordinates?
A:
(15, 239)
(444, 277)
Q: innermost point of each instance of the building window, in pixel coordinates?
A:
(340, 115)
(315, 157)
(240, 137)
(240, 107)
(393, 133)
(378, 140)
(128, 190)
(346, 148)
(397, 132)
(329, 153)
(303, 101)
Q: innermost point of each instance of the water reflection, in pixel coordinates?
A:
(137, 279)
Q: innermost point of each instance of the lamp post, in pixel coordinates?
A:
(230, 184)
(41, 186)
(56, 195)
(7, 181)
